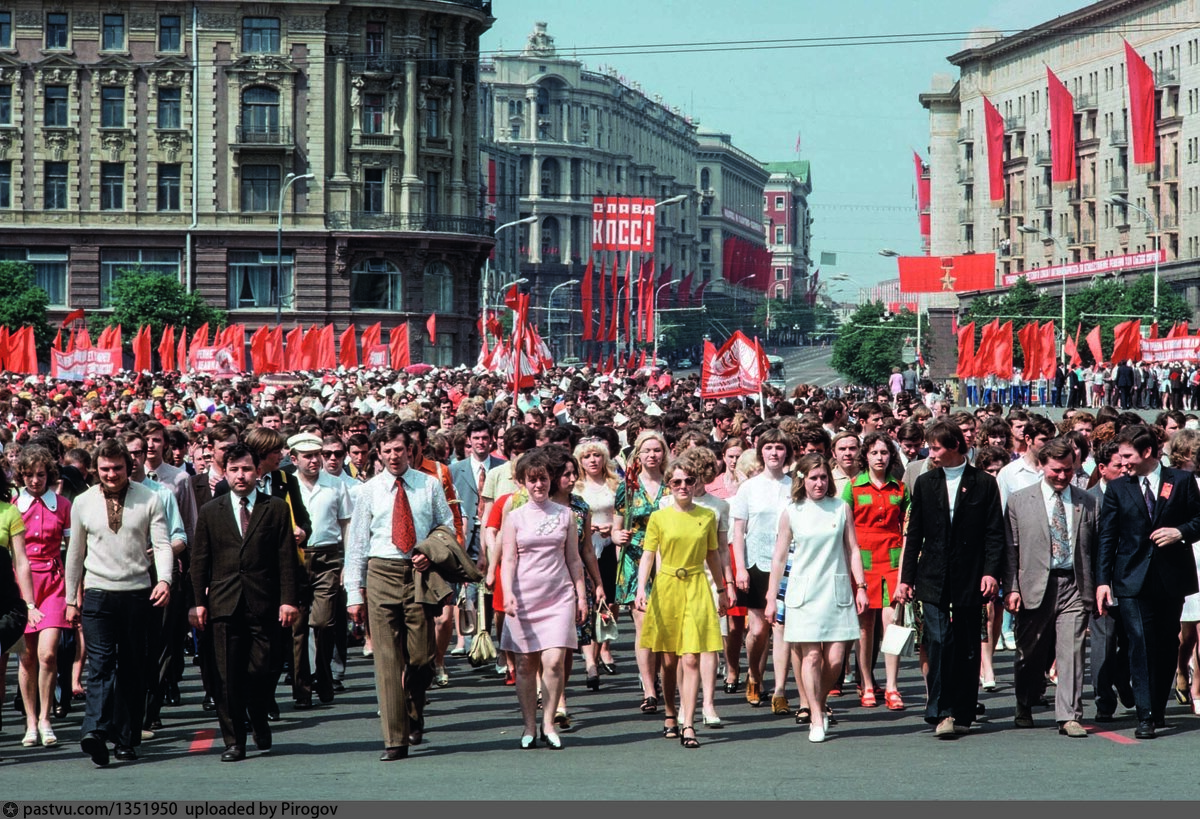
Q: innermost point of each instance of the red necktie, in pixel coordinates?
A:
(404, 534)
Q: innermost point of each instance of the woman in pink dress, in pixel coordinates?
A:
(544, 595)
(47, 518)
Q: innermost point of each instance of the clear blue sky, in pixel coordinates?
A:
(855, 106)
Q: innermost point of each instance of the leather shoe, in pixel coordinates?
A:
(154, 725)
(302, 705)
(1023, 719)
(273, 711)
(339, 687)
(1160, 724)
(210, 704)
(94, 746)
(1072, 728)
(394, 754)
(125, 753)
(262, 736)
(1145, 730)
(416, 736)
(1105, 718)
(233, 753)
(61, 711)
(945, 729)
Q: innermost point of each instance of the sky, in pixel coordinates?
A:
(854, 107)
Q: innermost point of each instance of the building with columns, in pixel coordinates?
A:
(168, 135)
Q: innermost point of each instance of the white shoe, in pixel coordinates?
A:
(30, 739)
(368, 652)
(816, 733)
(441, 679)
(47, 735)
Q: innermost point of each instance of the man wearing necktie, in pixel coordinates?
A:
(1147, 523)
(1050, 532)
(397, 508)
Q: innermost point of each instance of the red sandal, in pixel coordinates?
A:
(893, 700)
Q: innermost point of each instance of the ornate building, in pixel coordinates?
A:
(174, 135)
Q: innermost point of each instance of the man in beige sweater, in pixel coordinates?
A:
(118, 529)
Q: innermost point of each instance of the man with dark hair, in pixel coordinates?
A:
(1026, 470)
(1147, 522)
(1109, 646)
(953, 555)
(722, 421)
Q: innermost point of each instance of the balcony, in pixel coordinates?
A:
(375, 64)
(1042, 157)
(1044, 201)
(1075, 194)
(1086, 237)
(1118, 138)
(413, 222)
(263, 135)
(1118, 184)
(1169, 224)
(1014, 124)
(1166, 77)
(1161, 174)
(1086, 101)
(966, 174)
(966, 135)
(966, 216)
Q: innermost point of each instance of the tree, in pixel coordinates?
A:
(141, 296)
(870, 345)
(23, 303)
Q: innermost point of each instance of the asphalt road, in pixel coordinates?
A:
(616, 753)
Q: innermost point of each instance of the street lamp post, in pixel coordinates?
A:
(550, 302)
(1150, 222)
(893, 254)
(654, 307)
(277, 285)
(487, 264)
(1063, 299)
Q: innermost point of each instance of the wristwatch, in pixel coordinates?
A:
(30, 606)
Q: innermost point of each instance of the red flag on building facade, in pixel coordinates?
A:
(946, 274)
(1062, 132)
(683, 293)
(348, 347)
(994, 133)
(398, 346)
(1143, 133)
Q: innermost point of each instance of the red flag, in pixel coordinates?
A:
(235, 340)
(142, 349)
(431, 328)
(103, 340)
(607, 366)
(1154, 331)
(295, 349)
(371, 337)
(275, 356)
(966, 350)
(22, 356)
(1071, 348)
(260, 359)
(200, 337)
(57, 343)
(348, 345)
(612, 318)
(683, 293)
(1004, 351)
(1049, 357)
(115, 342)
(310, 348)
(698, 297)
(631, 362)
(1030, 337)
(1093, 343)
(650, 292)
(399, 346)
(83, 339)
(326, 358)
(181, 351)
(166, 349)
(585, 299)
(994, 133)
(1142, 131)
(986, 354)
(1062, 132)
(1127, 341)
(943, 274)
(511, 297)
(74, 315)
(738, 368)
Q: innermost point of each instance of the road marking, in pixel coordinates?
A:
(203, 740)
(1120, 739)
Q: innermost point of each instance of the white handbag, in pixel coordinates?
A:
(898, 639)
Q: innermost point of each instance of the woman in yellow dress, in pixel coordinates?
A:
(681, 622)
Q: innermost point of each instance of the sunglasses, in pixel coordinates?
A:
(330, 453)
(678, 482)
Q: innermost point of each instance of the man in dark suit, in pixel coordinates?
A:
(1126, 380)
(1148, 520)
(243, 576)
(953, 555)
(1050, 530)
(1107, 643)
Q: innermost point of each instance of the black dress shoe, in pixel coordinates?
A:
(262, 736)
(125, 753)
(302, 705)
(1160, 724)
(210, 704)
(172, 697)
(273, 712)
(1105, 718)
(60, 711)
(1145, 730)
(416, 736)
(394, 754)
(338, 687)
(93, 745)
(233, 753)
(154, 725)
(609, 668)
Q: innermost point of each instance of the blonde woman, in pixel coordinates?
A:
(637, 497)
(597, 485)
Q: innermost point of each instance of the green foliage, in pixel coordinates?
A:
(23, 303)
(1106, 303)
(868, 347)
(141, 296)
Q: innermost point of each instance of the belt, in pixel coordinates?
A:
(328, 547)
(1062, 572)
(682, 572)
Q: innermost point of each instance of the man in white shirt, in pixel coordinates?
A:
(381, 566)
(1026, 470)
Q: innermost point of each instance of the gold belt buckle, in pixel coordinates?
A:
(681, 573)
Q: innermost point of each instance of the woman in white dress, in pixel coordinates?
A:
(825, 589)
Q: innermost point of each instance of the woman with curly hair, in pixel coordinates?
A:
(597, 485)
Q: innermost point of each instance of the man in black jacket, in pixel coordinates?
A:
(952, 557)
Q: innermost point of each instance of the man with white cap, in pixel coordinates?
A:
(327, 501)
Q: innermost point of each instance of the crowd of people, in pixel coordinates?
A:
(267, 529)
(1121, 384)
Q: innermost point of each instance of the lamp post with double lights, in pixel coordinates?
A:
(550, 303)
(654, 307)
(1152, 223)
(1030, 229)
(277, 284)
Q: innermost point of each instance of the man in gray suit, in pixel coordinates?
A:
(1050, 538)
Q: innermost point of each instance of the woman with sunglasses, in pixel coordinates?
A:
(825, 588)
(681, 621)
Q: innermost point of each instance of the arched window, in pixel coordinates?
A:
(375, 284)
(439, 288)
(260, 115)
(705, 179)
(551, 249)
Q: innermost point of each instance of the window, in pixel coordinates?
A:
(113, 35)
(779, 231)
(56, 30)
(705, 179)
(375, 284)
(779, 274)
(49, 269)
(6, 184)
(56, 106)
(251, 273)
(433, 192)
(112, 107)
(170, 32)
(374, 180)
(112, 186)
(5, 105)
(372, 113)
(170, 108)
(706, 235)
(260, 187)
(5, 29)
(374, 38)
(432, 124)
(260, 35)
(778, 203)
(170, 179)
(56, 185)
(260, 114)
(439, 288)
(115, 260)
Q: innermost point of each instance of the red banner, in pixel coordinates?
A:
(377, 355)
(966, 350)
(1110, 264)
(349, 348)
(1142, 132)
(1179, 348)
(622, 223)
(87, 363)
(1062, 132)
(1003, 357)
(1049, 356)
(1093, 343)
(937, 274)
(738, 368)
(398, 336)
(215, 361)
(994, 132)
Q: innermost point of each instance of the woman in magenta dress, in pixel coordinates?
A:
(544, 594)
(47, 517)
